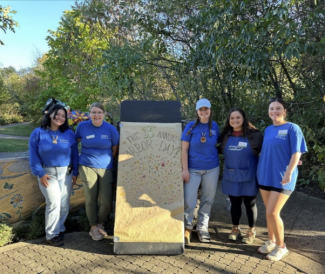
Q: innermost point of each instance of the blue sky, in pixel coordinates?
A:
(35, 18)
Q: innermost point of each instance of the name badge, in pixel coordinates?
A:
(283, 132)
(242, 144)
(90, 136)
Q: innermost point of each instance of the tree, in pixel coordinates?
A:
(6, 21)
(18, 90)
(4, 94)
(235, 53)
(70, 65)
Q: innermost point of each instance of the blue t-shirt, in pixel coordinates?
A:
(42, 151)
(239, 173)
(279, 144)
(202, 156)
(97, 143)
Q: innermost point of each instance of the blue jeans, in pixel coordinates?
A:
(57, 197)
(209, 181)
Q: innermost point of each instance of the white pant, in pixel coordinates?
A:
(57, 197)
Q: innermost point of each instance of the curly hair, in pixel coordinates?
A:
(247, 126)
(46, 121)
(198, 120)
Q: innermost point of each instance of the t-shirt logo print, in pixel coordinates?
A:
(235, 148)
(105, 137)
(282, 134)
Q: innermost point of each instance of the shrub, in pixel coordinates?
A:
(83, 222)
(72, 223)
(10, 114)
(5, 234)
(37, 226)
(313, 168)
(31, 229)
(20, 231)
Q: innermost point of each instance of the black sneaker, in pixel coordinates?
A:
(61, 236)
(56, 241)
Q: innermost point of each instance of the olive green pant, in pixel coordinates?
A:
(98, 188)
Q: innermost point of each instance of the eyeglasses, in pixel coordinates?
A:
(96, 113)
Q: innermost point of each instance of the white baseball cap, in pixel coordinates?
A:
(203, 103)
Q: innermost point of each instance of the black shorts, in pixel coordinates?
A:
(280, 190)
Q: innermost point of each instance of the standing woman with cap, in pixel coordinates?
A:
(52, 149)
(277, 174)
(200, 164)
(99, 141)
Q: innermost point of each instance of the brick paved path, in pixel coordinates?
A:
(80, 254)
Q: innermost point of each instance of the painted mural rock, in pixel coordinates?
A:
(20, 195)
(149, 198)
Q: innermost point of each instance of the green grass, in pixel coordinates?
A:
(21, 130)
(9, 145)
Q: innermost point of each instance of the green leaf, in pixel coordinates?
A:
(8, 186)
(5, 215)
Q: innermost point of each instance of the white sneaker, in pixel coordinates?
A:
(203, 235)
(277, 253)
(249, 237)
(95, 234)
(267, 247)
(234, 234)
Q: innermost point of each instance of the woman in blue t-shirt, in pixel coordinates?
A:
(52, 149)
(99, 141)
(277, 174)
(241, 144)
(200, 164)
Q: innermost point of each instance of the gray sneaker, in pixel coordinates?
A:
(102, 230)
(277, 253)
(267, 247)
(95, 234)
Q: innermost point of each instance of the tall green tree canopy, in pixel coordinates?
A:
(235, 53)
(75, 53)
(6, 21)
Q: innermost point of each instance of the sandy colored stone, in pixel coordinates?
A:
(149, 197)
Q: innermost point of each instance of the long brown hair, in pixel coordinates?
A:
(247, 126)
